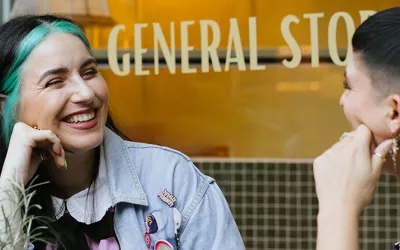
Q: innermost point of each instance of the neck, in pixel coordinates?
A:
(77, 177)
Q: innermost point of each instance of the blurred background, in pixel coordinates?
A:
(255, 132)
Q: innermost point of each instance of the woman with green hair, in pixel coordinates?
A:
(101, 190)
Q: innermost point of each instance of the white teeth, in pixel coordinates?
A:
(81, 117)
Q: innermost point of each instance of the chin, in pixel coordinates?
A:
(378, 139)
(82, 143)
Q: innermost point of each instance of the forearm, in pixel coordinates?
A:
(337, 229)
(11, 231)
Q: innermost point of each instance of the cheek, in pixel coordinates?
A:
(45, 110)
(352, 113)
(366, 113)
(55, 101)
(101, 90)
(379, 125)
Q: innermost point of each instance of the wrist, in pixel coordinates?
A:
(338, 228)
(12, 174)
(10, 179)
(339, 211)
(7, 186)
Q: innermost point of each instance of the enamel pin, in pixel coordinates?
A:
(163, 245)
(147, 239)
(167, 197)
(154, 222)
(151, 224)
(177, 225)
(170, 200)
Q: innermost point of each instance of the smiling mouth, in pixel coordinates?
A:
(80, 118)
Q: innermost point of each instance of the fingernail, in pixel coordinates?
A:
(60, 151)
(65, 164)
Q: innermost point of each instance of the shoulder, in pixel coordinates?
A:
(151, 149)
(160, 168)
(156, 158)
(164, 176)
(167, 174)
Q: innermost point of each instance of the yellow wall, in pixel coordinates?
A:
(269, 16)
(247, 112)
(250, 113)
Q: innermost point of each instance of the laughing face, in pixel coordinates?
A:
(62, 91)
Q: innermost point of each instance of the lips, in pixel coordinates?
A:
(80, 116)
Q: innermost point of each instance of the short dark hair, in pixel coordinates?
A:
(377, 42)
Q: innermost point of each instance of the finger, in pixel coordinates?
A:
(60, 161)
(36, 159)
(347, 135)
(345, 140)
(363, 136)
(41, 139)
(379, 156)
(40, 153)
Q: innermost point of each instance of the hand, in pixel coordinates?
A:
(346, 174)
(21, 161)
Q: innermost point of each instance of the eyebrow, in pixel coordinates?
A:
(65, 70)
(88, 62)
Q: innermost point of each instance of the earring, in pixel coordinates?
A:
(394, 151)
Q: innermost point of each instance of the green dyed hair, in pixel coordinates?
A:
(12, 80)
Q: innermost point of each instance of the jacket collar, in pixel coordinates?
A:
(123, 179)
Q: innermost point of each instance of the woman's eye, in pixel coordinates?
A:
(346, 84)
(54, 82)
(90, 72)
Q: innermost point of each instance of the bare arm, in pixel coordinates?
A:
(337, 229)
(19, 167)
(346, 176)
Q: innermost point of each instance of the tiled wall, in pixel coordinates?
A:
(275, 205)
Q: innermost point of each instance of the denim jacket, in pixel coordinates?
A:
(137, 173)
(148, 182)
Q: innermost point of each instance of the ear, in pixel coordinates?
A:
(3, 99)
(393, 114)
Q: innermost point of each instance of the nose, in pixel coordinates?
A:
(83, 92)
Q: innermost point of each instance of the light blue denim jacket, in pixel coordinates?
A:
(138, 172)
